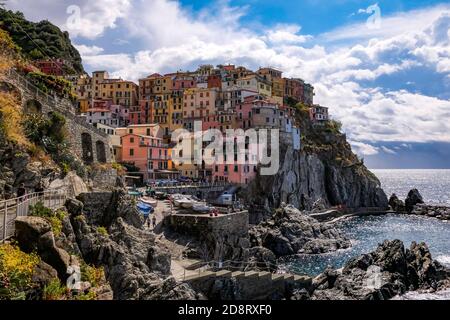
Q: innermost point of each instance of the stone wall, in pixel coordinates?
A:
(103, 179)
(234, 223)
(75, 124)
(225, 237)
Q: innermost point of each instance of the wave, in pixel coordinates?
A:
(439, 295)
(444, 259)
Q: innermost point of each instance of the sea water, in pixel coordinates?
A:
(366, 233)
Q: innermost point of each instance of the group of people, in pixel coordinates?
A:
(149, 221)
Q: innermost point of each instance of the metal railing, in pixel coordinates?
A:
(181, 185)
(229, 265)
(19, 207)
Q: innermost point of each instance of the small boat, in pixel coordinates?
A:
(150, 201)
(144, 208)
(201, 207)
(186, 203)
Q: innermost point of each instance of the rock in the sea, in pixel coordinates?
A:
(414, 197)
(396, 204)
(388, 271)
(291, 231)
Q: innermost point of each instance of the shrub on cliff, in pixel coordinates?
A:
(50, 134)
(54, 218)
(10, 117)
(49, 84)
(55, 291)
(16, 270)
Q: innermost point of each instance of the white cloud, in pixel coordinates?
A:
(387, 150)
(393, 25)
(363, 149)
(85, 50)
(286, 34)
(82, 18)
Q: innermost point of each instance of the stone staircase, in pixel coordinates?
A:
(251, 285)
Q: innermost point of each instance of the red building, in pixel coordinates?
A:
(52, 67)
(215, 81)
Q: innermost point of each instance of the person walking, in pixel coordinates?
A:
(154, 222)
(21, 191)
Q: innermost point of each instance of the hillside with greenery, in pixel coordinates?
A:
(40, 40)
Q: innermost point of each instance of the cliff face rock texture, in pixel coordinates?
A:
(291, 232)
(17, 167)
(383, 274)
(325, 170)
(108, 232)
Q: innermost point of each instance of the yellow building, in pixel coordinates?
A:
(83, 90)
(120, 92)
(176, 111)
(161, 106)
(256, 83)
(151, 130)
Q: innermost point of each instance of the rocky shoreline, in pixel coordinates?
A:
(291, 232)
(389, 271)
(414, 204)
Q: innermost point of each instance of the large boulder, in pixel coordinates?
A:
(389, 271)
(60, 260)
(261, 258)
(71, 183)
(43, 274)
(396, 204)
(414, 197)
(159, 259)
(29, 230)
(291, 231)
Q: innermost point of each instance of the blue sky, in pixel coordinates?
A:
(386, 76)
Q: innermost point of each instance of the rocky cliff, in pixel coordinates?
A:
(324, 171)
(388, 271)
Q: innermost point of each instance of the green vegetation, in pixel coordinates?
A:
(55, 291)
(333, 126)
(41, 40)
(48, 83)
(16, 271)
(95, 276)
(102, 231)
(50, 134)
(10, 116)
(54, 218)
(8, 51)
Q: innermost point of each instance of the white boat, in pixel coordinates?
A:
(186, 203)
(201, 207)
(149, 201)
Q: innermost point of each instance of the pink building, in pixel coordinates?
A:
(182, 82)
(149, 154)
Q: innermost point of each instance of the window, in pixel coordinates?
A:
(236, 168)
(148, 131)
(131, 152)
(131, 140)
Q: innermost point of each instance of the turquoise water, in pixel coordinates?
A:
(367, 232)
